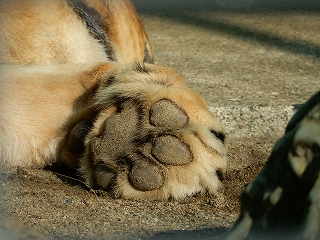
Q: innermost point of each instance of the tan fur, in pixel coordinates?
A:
(44, 32)
(125, 31)
(55, 74)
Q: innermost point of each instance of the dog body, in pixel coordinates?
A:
(78, 85)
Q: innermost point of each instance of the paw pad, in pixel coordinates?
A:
(146, 176)
(103, 176)
(167, 114)
(142, 153)
(171, 150)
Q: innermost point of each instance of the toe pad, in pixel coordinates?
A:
(103, 176)
(167, 114)
(146, 176)
(171, 150)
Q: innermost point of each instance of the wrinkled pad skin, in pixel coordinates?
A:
(118, 149)
(115, 141)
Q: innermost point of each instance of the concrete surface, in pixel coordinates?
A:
(251, 62)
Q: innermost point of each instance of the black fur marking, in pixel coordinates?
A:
(94, 24)
(110, 81)
(147, 57)
(220, 175)
(218, 135)
(140, 67)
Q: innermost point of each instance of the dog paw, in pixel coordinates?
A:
(153, 138)
(283, 202)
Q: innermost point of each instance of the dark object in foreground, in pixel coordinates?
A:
(283, 202)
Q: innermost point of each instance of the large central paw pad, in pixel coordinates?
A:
(116, 146)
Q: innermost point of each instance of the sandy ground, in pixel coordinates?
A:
(250, 66)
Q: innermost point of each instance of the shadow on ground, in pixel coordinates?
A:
(234, 5)
(194, 13)
(203, 234)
